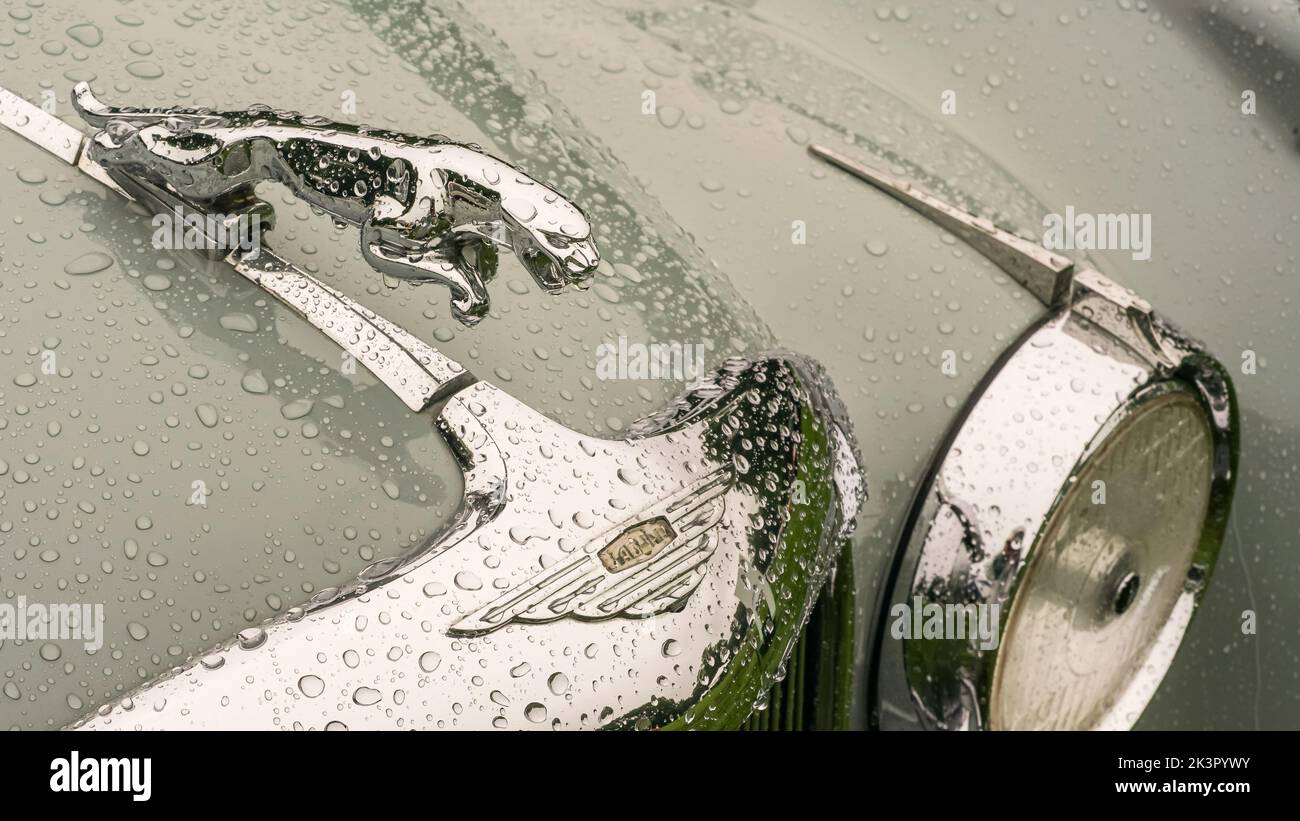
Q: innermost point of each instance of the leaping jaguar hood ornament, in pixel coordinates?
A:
(660, 579)
(429, 209)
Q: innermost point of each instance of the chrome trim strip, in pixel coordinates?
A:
(417, 372)
(1044, 274)
(40, 128)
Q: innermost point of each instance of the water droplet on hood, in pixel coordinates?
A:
(91, 263)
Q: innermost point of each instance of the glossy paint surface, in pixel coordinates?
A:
(712, 215)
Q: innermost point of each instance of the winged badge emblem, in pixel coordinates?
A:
(632, 570)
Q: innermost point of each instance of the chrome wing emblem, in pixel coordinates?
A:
(634, 570)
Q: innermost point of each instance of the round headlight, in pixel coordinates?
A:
(1108, 572)
(1052, 563)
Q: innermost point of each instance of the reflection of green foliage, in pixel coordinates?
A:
(923, 655)
(192, 142)
(771, 413)
(819, 686)
(754, 667)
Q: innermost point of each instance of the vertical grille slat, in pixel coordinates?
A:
(816, 693)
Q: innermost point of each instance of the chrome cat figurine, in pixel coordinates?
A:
(429, 209)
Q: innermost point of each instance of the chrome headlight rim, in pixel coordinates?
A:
(1124, 357)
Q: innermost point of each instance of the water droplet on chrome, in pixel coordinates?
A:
(366, 696)
(311, 686)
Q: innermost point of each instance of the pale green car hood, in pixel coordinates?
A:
(176, 372)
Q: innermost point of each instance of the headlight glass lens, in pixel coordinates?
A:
(1108, 571)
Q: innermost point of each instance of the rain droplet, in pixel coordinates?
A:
(91, 263)
(144, 69)
(311, 686)
(367, 696)
(88, 34)
(251, 638)
(244, 323)
(207, 415)
(296, 409)
(431, 589)
(254, 382)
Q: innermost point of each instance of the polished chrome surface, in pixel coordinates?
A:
(690, 552)
(1044, 274)
(414, 370)
(429, 209)
(43, 129)
(40, 128)
(669, 545)
(1064, 390)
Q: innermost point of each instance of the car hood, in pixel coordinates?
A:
(177, 373)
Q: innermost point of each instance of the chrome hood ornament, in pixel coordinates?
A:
(679, 564)
(429, 209)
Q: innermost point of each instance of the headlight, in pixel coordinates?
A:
(1067, 531)
(1105, 578)
(1050, 565)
